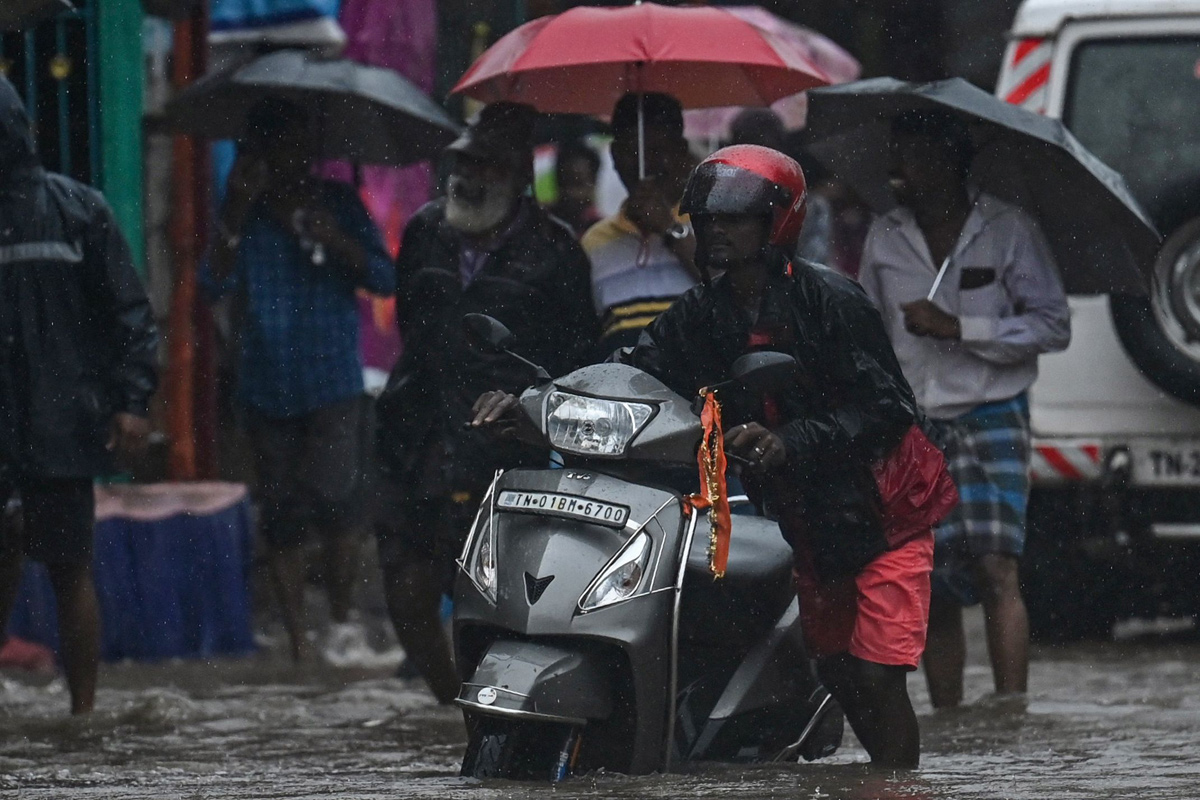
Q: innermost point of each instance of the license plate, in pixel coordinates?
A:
(564, 505)
(1166, 463)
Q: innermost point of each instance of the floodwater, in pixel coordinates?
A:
(1102, 721)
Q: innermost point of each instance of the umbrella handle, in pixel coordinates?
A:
(937, 282)
(641, 123)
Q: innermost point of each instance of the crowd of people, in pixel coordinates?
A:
(705, 260)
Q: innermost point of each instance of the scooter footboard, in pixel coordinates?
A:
(538, 681)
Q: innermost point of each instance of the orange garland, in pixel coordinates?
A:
(715, 494)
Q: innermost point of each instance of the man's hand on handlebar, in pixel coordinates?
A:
(756, 445)
(497, 410)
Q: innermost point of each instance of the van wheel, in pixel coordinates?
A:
(1161, 332)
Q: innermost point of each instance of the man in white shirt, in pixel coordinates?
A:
(970, 353)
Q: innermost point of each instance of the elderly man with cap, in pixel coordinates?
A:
(487, 248)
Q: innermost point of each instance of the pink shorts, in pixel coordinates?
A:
(880, 615)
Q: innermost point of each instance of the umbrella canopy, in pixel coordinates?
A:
(582, 60)
(830, 58)
(366, 114)
(17, 14)
(1102, 239)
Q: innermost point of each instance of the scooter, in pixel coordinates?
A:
(587, 625)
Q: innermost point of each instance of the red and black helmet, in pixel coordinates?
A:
(749, 179)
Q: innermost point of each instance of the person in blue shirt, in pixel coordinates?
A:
(294, 250)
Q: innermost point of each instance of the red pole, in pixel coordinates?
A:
(186, 240)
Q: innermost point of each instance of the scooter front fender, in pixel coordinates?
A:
(538, 681)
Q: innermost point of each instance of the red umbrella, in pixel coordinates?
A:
(582, 60)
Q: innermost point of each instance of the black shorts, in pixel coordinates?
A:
(310, 470)
(56, 520)
(432, 529)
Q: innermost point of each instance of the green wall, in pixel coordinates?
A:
(120, 76)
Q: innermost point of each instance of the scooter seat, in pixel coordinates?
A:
(757, 586)
(757, 553)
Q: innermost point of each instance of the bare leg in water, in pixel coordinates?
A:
(875, 700)
(945, 652)
(11, 559)
(287, 574)
(412, 586)
(78, 630)
(78, 618)
(341, 554)
(1007, 625)
(1006, 621)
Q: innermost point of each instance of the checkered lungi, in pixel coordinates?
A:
(987, 453)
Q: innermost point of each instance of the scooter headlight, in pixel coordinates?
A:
(483, 563)
(592, 426)
(621, 578)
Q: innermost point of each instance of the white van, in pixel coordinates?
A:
(1114, 525)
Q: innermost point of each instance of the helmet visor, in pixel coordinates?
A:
(717, 188)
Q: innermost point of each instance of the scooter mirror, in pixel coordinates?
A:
(763, 370)
(487, 333)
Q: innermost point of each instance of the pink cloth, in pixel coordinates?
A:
(17, 653)
(401, 35)
(152, 502)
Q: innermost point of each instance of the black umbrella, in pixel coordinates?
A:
(1102, 239)
(366, 114)
(17, 14)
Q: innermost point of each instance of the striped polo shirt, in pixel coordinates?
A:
(634, 279)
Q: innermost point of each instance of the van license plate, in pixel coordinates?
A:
(1166, 464)
(564, 505)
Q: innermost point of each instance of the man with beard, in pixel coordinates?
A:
(484, 248)
(77, 368)
(835, 456)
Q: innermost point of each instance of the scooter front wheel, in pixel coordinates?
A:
(521, 751)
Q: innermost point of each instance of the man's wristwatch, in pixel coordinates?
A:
(679, 231)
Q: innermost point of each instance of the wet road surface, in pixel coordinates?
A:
(1103, 721)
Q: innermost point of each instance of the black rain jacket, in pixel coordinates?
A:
(538, 284)
(848, 407)
(77, 337)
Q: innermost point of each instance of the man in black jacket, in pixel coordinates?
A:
(810, 453)
(77, 369)
(485, 248)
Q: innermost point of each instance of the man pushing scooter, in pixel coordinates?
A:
(837, 459)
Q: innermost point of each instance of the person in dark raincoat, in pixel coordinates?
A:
(485, 248)
(837, 457)
(77, 369)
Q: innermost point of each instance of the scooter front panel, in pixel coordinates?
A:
(545, 562)
(547, 557)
